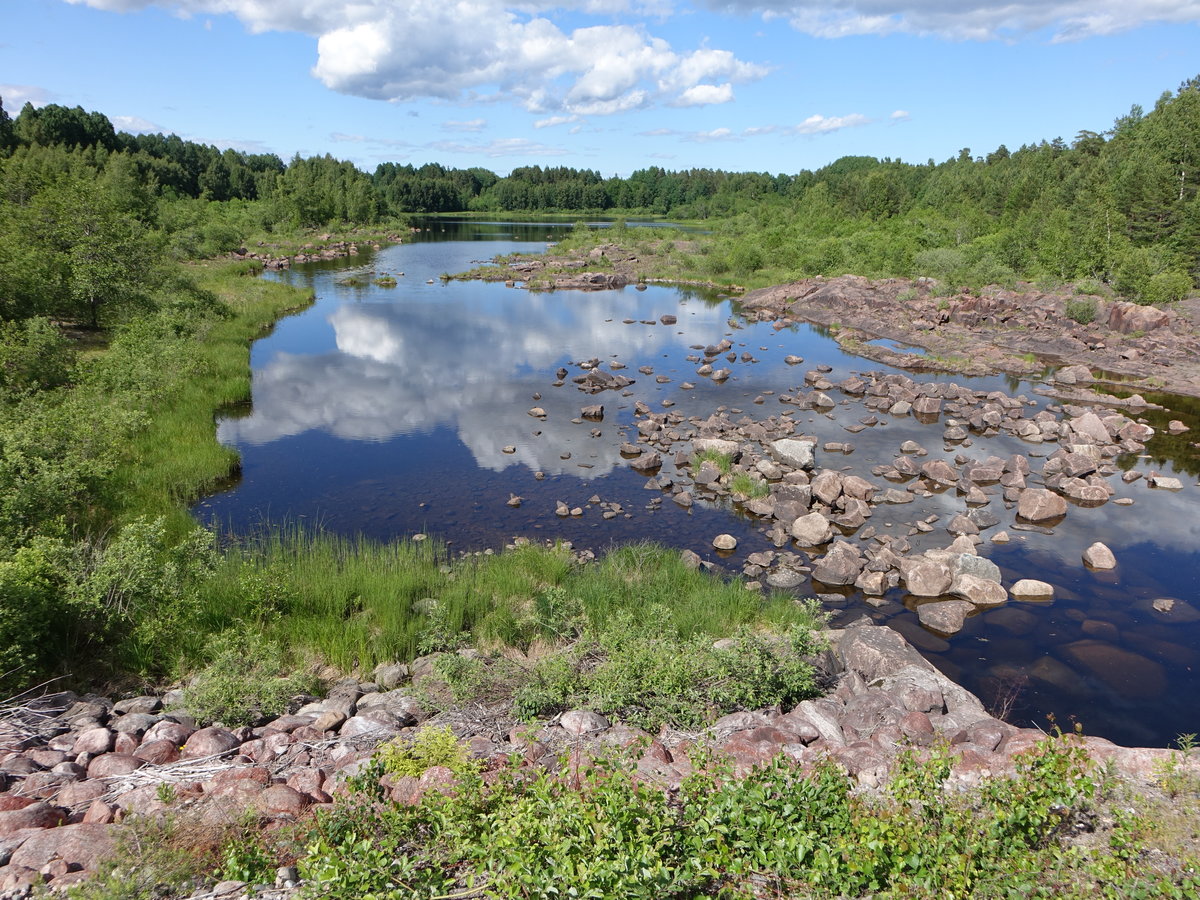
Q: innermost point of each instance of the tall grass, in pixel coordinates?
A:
(176, 457)
(352, 603)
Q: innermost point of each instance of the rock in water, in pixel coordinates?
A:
(725, 542)
(1099, 556)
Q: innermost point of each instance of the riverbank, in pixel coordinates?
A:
(117, 798)
(1137, 348)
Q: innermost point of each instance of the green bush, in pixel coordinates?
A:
(34, 356)
(1082, 310)
(243, 682)
(1167, 287)
(433, 746)
(597, 830)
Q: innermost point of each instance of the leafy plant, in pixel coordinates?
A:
(1082, 311)
(242, 683)
(433, 746)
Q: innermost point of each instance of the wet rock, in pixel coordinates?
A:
(1098, 556)
(811, 530)
(1030, 590)
(1040, 505)
(1129, 674)
(944, 616)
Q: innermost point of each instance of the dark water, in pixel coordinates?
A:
(388, 411)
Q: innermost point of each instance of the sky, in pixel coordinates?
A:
(612, 85)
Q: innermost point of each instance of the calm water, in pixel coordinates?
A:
(388, 411)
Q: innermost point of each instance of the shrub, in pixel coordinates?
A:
(242, 683)
(1167, 287)
(1082, 311)
(433, 746)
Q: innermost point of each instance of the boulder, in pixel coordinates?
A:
(210, 741)
(811, 530)
(944, 616)
(1040, 505)
(1098, 556)
(925, 577)
(1030, 590)
(797, 453)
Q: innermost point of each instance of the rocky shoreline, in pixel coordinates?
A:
(74, 768)
(1135, 347)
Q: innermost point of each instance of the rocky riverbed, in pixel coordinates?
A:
(73, 769)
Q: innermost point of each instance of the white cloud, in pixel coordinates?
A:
(472, 126)
(500, 147)
(900, 115)
(555, 120)
(717, 134)
(136, 125)
(17, 95)
(511, 50)
(976, 20)
(705, 94)
(823, 125)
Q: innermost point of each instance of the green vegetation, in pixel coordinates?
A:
(431, 747)
(1082, 310)
(723, 461)
(744, 486)
(596, 830)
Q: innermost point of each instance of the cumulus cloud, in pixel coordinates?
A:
(17, 95)
(900, 115)
(136, 125)
(488, 49)
(976, 20)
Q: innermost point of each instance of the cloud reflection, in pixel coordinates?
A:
(409, 368)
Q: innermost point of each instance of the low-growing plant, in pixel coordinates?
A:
(723, 461)
(744, 486)
(1082, 311)
(244, 682)
(433, 746)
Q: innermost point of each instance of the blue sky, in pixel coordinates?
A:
(612, 85)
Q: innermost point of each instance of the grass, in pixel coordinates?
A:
(744, 486)
(176, 457)
(354, 603)
(723, 461)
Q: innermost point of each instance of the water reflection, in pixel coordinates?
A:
(406, 369)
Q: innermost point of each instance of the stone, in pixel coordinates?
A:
(944, 616)
(979, 591)
(799, 454)
(725, 542)
(925, 577)
(1040, 505)
(35, 815)
(80, 846)
(580, 722)
(113, 765)
(840, 565)
(811, 530)
(1030, 590)
(210, 741)
(1098, 556)
(1129, 674)
(94, 740)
